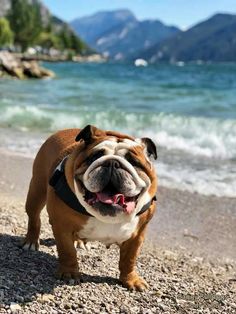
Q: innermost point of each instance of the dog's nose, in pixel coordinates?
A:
(112, 163)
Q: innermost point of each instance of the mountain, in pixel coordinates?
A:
(210, 40)
(119, 35)
(91, 27)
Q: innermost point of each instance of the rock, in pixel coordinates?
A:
(12, 65)
(1, 295)
(33, 70)
(19, 298)
(163, 307)
(47, 298)
(14, 307)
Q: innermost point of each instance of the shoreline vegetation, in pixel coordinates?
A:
(29, 33)
(180, 280)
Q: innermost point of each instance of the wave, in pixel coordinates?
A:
(220, 182)
(209, 137)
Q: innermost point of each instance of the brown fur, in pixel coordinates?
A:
(65, 222)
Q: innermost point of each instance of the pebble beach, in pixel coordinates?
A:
(188, 259)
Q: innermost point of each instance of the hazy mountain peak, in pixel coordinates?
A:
(119, 34)
(121, 14)
(92, 27)
(210, 40)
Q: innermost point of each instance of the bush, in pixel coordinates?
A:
(6, 34)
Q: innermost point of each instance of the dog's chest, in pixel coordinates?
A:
(96, 230)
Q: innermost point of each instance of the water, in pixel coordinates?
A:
(189, 111)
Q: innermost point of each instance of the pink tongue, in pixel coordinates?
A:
(116, 199)
(111, 199)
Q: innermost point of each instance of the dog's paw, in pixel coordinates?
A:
(80, 244)
(68, 275)
(134, 282)
(28, 245)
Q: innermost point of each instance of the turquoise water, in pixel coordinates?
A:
(189, 111)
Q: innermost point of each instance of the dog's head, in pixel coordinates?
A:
(113, 173)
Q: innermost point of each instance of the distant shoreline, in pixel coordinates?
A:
(96, 58)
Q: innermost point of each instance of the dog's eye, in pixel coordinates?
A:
(95, 156)
(133, 161)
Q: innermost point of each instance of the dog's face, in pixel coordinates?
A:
(113, 174)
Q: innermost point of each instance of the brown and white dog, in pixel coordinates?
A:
(103, 189)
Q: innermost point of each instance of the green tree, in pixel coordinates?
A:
(69, 40)
(76, 43)
(65, 39)
(48, 40)
(26, 22)
(6, 34)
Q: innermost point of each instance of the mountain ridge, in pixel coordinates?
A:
(210, 40)
(119, 34)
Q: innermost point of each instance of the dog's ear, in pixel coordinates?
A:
(150, 146)
(88, 133)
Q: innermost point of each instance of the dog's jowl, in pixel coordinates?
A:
(97, 186)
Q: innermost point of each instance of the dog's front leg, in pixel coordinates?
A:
(129, 251)
(68, 265)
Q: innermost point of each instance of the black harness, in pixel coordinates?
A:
(59, 183)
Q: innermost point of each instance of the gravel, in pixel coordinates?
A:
(179, 282)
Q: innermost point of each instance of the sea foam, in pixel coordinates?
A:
(209, 137)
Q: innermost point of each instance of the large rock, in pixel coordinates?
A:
(14, 66)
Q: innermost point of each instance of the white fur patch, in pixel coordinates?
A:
(96, 230)
(138, 181)
(113, 147)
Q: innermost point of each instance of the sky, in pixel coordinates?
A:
(182, 13)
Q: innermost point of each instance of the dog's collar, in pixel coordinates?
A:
(59, 183)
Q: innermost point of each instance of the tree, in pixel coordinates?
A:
(6, 34)
(65, 39)
(69, 40)
(76, 43)
(26, 22)
(48, 40)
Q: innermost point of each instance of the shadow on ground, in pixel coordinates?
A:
(25, 274)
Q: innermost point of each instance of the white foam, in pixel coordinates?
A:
(194, 137)
(219, 182)
(211, 138)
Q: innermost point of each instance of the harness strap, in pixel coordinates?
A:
(59, 183)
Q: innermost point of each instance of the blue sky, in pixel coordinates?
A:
(182, 13)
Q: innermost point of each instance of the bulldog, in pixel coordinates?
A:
(97, 186)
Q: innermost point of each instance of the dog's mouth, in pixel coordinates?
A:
(110, 202)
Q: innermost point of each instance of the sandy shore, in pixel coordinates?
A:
(188, 259)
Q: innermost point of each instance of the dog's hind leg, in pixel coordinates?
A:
(36, 200)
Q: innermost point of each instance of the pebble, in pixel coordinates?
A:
(14, 307)
(19, 298)
(47, 297)
(163, 307)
